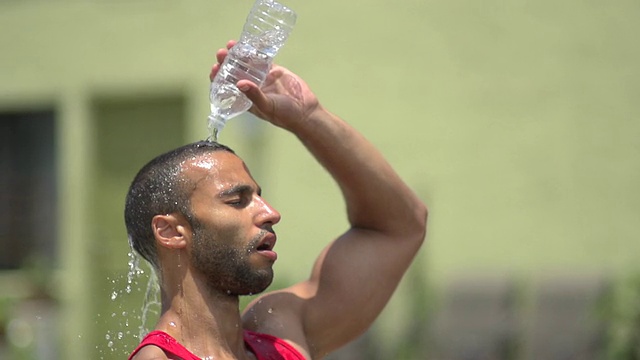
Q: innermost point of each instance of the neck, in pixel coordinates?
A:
(206, 322)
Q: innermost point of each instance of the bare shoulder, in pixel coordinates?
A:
(281, 305)
(279, 313)
(151, 352)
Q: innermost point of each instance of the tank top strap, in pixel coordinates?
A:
(167, 343)
(269, 347)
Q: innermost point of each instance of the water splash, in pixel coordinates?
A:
(151, 304)
(134, 270)
(215, 125)
(128, 325)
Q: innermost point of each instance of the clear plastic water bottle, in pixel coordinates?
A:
(267, 28)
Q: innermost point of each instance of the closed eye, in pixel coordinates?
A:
(238, 196)
(240, 202)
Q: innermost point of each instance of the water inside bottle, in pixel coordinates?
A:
(226, 100)
(249, 59)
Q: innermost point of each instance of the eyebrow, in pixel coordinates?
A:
(239, 189)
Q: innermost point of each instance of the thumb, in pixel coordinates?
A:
(253, 92)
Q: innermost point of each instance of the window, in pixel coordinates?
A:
(28, 223)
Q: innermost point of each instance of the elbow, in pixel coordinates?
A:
(416, 227)
(422, 215)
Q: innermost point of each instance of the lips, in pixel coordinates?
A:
(267, 243)
(265, 247)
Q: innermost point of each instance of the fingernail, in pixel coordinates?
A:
(244, 87)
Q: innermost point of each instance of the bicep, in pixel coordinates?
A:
(351, 282)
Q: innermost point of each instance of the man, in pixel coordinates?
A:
(198, 216)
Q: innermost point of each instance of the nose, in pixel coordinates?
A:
(267, 213)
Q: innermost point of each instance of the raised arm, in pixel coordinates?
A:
(354, 277)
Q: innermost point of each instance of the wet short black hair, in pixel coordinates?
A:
(160, 188)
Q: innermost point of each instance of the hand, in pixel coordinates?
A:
(284, 99)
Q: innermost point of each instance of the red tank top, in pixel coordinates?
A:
(264, 346)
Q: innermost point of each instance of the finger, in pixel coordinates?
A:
(221, 54)
(253, 92)
(214, 71)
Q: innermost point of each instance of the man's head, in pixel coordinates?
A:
(201, 198)
(160, 187)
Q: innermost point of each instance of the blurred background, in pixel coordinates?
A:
(517, 122)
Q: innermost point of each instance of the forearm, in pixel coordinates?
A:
(376, 197)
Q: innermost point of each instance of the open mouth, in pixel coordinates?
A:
(267, 243)
(266, 246)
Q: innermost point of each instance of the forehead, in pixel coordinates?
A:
(218, 169)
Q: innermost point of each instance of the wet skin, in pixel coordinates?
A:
(233, 234)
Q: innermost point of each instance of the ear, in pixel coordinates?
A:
(171, 230)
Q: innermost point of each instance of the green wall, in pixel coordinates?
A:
(517, 122)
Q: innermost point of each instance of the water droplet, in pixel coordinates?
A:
(172, 324)
(120, 335)
(107, 337)
(110, 344)
(151, 303)
(114, 295)
(270, 311)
